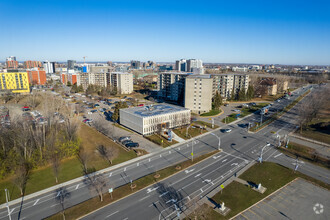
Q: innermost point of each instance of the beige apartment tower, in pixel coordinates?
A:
(198, 93)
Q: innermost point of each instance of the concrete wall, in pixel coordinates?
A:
(198, 94)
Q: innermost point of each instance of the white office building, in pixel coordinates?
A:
(154, 118)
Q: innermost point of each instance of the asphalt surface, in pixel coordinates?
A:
(311, 201)
(160, 201)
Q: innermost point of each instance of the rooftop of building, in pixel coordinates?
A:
(178, 73)
(153, 110)
(120, 73)
(203, 76)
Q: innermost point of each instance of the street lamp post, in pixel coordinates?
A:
(9, 213)
(218, 139)
(260, 158)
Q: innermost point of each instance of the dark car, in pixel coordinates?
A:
(124, 138)
(127, 142)
(133, 144)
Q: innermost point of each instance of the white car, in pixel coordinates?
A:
(227, 130)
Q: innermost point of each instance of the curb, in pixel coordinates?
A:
(263, 198)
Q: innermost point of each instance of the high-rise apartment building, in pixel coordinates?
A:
(194, 64)
(15, 82)
(49, 67)
(171, 86)
(32, 64)
(69, 76)
(135, 64)
(11, 62)
(181, 65)
(37, 76)
(228, 83)
(198, 93)
(98, 79)
(71, 64)
(122, 81)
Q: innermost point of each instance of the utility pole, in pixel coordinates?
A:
(7, 195)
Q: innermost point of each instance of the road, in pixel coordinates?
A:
(239, 149)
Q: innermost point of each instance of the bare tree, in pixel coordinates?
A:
(96, 183)
(61, 195)
(22, 175)
(108, 153)
(83, 158)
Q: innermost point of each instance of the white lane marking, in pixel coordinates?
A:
(110, 174)
(169, 152)
(278, 155)
(198, 175)
(124, 169)
(224, 160)
(112, 214)
(206, 181)
(125, 218)
(188, 171)
(11, 211)
(152, 189)
(53, 205)
(137, 164)
(216, 157)
(149, 159)
(58, 193)
(234, 164)
(178, 148)
(163, 194)
(160, 155)
(77, 186)
(202, 190)
(36, 202)
(144, 198)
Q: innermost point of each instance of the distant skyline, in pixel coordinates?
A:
(265, 32)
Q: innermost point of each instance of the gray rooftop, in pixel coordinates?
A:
(152, 110)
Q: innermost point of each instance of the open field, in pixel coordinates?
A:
(70, 168)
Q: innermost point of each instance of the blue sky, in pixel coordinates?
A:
(281, 32)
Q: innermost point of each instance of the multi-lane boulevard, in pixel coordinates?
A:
(161, 201)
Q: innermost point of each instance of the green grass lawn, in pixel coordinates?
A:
(157, 139)
(306, 153)
(192, 132)
(43, 178)
(318, 130)
(244, 112)
(203, 123)
(238, 197)
(211, 113)
(119, 126)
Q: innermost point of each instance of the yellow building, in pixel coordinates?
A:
(15, 82)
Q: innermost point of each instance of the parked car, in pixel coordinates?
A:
(121, 139)
(133, 144)
(127, 142)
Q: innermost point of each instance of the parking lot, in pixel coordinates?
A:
(299, 200)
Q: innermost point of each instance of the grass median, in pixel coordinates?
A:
(125, 190)
(239, 197)
(213, 112)
(160, 140)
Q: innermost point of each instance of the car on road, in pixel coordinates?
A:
(124, 138)
(227, 130)
(87, 120)
(237, 110)
(226, 104)
(93, 110)
(133, 144)
(127, 142)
